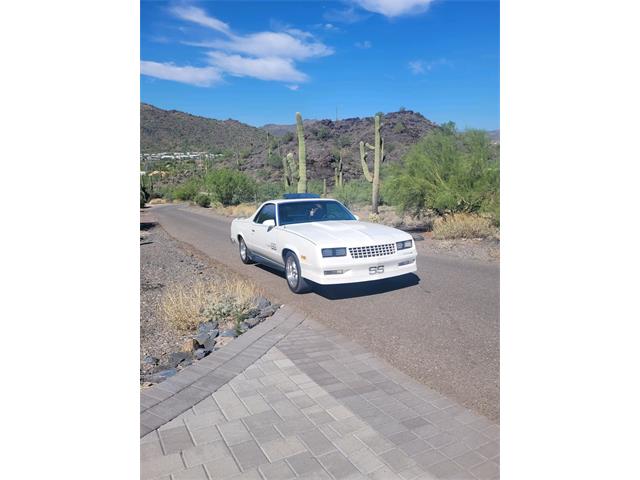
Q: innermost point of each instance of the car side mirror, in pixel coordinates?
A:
(357, 217)
(270, 223)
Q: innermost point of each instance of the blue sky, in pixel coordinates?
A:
(260, 62)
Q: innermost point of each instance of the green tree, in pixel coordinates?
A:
(447, 171)
(230, 187)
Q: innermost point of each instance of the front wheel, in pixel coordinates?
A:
(245, 255)
(296, 283)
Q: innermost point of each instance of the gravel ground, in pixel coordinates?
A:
(164, 261)
(484, 249)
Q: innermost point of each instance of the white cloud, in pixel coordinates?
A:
(416, 67)
(199, 16)
(347, 15)
(271, 44)
(267, 55)
(395, 8)
(199, 76)
(365, 44)
(293, 87)
(267, 68)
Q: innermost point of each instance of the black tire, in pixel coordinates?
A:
(245, 254)
(293, 274)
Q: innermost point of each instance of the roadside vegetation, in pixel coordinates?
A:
(226, 301)
(449, 180)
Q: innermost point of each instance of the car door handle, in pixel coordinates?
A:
(253, 230)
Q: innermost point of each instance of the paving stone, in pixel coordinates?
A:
(277, 471)
(204, 453)
(159, 466)
(205, 435)
(430, 457)
(222, 467)
(397, 460)
(486, 470)
(402, 437)
(455, 449)
(265, 434)
(248, 455)
(446, 469)
(489, 450)
(316, 442)
(234, 432)
(440, 440)
(365, 460)
(150, 450)
(337, 465)
(374, 441)
(411, 473)
(280, 448)
(175, 440)
(384, 473)
(195, 473)
(348, 444)
(303, 464)
(293, 426)
(469, 459)
(414, 447)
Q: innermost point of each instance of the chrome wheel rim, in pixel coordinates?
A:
(292, 272)
(243, 250)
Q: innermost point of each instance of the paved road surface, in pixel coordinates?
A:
(440, 326)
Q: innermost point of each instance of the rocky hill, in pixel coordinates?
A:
(162, 131)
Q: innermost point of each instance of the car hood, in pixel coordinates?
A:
(347, 233)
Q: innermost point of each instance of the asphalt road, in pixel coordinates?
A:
(440, 326)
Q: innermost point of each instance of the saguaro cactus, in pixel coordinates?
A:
(324, 187)
(338, 170)
(302, 156)
(378, 148)
(290, 170)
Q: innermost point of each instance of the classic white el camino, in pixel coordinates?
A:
(320, 240)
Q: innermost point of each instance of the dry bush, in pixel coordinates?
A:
(241, 210)
(185, 306)
(157, 201)
(463, 225)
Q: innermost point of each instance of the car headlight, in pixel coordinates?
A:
(403, 245)
(334, 252)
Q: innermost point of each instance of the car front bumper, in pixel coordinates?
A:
(361, 270)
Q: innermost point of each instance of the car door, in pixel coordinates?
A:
(263, 236)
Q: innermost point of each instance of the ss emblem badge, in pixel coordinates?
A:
(378, 269)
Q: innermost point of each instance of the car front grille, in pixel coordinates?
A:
(373, 250)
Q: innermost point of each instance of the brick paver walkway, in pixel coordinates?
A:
(293, 399)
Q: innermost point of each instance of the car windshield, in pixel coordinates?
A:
(305, 212)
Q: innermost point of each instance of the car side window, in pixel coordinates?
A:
(268, 212)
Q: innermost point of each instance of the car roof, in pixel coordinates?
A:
(279, 201)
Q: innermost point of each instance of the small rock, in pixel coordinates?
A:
(417, 237)
(252, 322)
(229, 333)
(161, 375)
(207, 327)
(263, 303)
(254, 312)
(149, 360)
(267, 312)
(201, 339)
(200, 353)
(178, 357)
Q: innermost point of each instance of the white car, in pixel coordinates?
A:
(320, 240)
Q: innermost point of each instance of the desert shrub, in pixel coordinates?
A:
(187, 190)
(322, 132)
(287, 137)
(268, 191)
(354, 192)
(399, 127)
(203, 200)
(447, 171)
(463, 225)
(274, 161)
(230, 187)
(185, 306)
